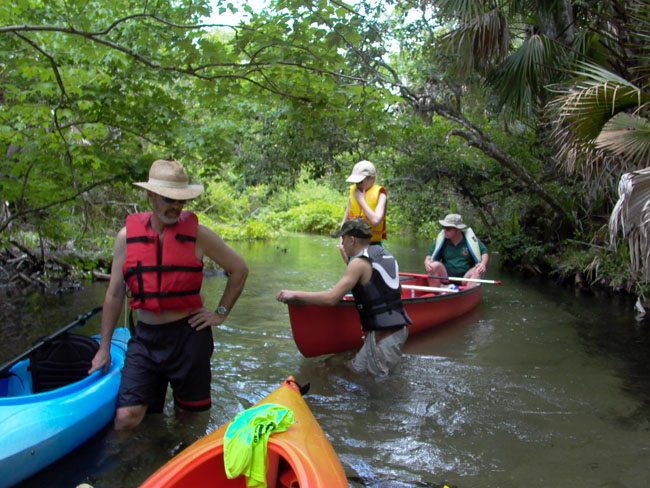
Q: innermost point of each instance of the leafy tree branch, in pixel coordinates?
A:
(23, 213)
(50, 59)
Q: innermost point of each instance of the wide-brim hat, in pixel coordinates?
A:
(168, 178)
(361, 171)
(453, 220)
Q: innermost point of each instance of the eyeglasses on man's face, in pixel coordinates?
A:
(171, 200)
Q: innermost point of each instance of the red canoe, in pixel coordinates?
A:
(321, 330)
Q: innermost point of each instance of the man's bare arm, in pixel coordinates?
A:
(113, 302)
(214, 247)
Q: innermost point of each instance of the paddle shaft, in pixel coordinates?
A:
(429, 288)
(80, 321)
(473, 280)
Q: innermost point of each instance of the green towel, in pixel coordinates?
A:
(244, 445)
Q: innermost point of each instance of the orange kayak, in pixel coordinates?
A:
(300, 457)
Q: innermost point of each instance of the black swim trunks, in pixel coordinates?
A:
(173, 353)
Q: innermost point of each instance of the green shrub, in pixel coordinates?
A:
(249, 230)
(309, 207)
(316, 217)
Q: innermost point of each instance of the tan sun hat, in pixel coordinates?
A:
(168, 178)
(453, 220)
(360, 171)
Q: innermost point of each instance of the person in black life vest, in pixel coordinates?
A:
(159, 255)
(372, 274)
(457, 252)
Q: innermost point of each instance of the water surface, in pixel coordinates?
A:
(537, 388)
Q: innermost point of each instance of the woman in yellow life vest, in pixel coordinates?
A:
(366, 200)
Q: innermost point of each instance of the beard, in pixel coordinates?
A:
(170, 217)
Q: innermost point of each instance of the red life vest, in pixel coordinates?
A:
(167, 277)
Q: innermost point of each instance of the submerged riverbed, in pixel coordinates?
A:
(536, 388)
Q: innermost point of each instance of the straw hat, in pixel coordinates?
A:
(360, 171)
(168, 178)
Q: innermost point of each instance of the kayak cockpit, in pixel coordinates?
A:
(60, 362)
(208, 468)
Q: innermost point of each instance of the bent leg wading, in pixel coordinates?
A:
(380, 357)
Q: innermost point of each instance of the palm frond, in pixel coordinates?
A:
(627, 136)
(594, 97)
(631, 217)
(478, 42)
(518, 81)
(598, 167)
(463, 10)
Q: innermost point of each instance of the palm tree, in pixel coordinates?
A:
(584, 65)
(601, 121)
(517, 45)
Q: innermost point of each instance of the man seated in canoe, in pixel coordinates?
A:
(159, 256)
(457, 252)
(372, 275)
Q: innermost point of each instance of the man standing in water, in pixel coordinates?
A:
(372, 275)
(159, 256)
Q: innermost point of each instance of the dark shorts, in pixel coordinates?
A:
(173, 353)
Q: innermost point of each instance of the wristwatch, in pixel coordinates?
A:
(221, 310)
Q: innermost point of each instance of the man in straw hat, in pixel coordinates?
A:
(372, 275)
(366, 200)
(159, 256)
(457, 252)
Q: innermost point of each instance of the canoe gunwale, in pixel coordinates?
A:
(406, 300)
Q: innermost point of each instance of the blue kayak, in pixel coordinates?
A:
(36, 429)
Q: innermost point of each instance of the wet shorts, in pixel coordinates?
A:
(380, 358)
(173, 353)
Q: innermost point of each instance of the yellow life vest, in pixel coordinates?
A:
(372, 197)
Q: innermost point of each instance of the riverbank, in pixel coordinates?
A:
(59, 272)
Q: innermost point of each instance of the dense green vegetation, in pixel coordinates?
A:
(520, 115)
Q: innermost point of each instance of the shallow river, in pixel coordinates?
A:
(537, 388)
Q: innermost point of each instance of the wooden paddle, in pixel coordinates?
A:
(79, 322)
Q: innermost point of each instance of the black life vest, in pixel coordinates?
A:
(379, 301)
(167, 278)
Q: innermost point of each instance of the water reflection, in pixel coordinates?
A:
(535, 388)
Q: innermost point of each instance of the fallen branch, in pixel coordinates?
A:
(27, 251)
(101, 276)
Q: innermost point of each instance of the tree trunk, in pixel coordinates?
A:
(475, 138)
